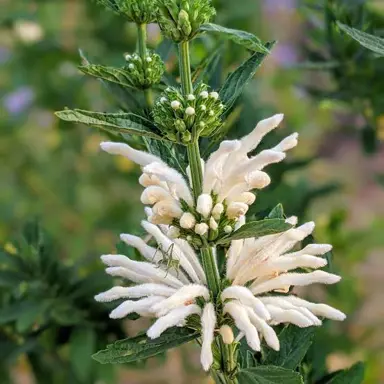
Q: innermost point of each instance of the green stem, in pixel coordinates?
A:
(211, 271)
(185, 68)
(196, 170)
(142, 48)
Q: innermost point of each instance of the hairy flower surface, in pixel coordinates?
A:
(255, 290)
(230, 175)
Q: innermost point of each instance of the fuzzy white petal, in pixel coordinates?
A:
(172, 319)
(129, 306)
(289, 316)
(208, 323)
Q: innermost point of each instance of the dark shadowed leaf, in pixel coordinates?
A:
(257, 229)
(246, 39)
(294, 344)
(373, 43)
(237, 80)
(354, 375)
(81, 346)
(269, 374)
(124, 123)
(141, 347)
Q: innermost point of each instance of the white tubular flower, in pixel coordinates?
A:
(217, 211)
(204, 205)
(173, 318)
(153, 194)
(201, 229)
(127, 307)
(213, 224)
(265, 263)
(235, 210)
(208, 323)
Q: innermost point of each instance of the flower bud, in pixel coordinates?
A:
(246, 198)
(173, 233)
(228, 229)
(143, 74)
(137, 11)
(177, 116)
(181, 20)
(201, 229)
(217, 211)
(204, 205)
(236, 209)
(167, 208)
(187, 220)
(227, 334)
(212, 224)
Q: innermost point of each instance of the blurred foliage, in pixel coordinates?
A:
(53, 170)
(357, 73)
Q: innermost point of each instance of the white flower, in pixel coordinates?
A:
(260, 266)
(229, 174)
(175, 104)
(190, 111)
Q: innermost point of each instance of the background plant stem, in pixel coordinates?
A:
(142, 48)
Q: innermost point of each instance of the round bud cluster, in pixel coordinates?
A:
(185, 118)
(139, 11)
(144, 73)
(180, 20)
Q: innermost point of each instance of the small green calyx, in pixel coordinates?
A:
(180, 20)
(144, 73)
(183, 119)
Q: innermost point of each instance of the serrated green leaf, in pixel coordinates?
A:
(124, 123)
(237, 80)
(268, 374)
(257, 229)
(141, 347)
(373, 43)
(294, 344)
(111, 74)
(245, 39)
(277, 212)
(81, 346)
(353, 375)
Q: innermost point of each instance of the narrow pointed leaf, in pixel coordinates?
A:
(373, 43)
(257, 229)
(269, 374)
(141, 347)
(111, 74)
(125, 123)
(246, 39)
(237, 80)
(277, 212)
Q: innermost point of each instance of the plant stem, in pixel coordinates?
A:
(210, 269)
(185, 68)
(142, 48)
(196, 170)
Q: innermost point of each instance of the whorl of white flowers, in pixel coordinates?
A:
(229, 177)
(172, 280)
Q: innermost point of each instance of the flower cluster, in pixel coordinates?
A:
(172, 286)
(229, 177)
(183, 118)
(144, 73)
(180, 20)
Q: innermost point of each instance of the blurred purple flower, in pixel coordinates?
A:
(279, 5)
(285, 54)
(5, 54)
(19, 100)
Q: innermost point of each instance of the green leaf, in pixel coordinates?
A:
(13, 311)
(373, 43)
(353, 375)
(245, 39)
(10, 279)
(30, 315)
(112, 74)
(237, 80)
(141, 347)
(82, 344)
(268, 374)
(124, 123)
(294, 344)
(277, 212)
(257, 229)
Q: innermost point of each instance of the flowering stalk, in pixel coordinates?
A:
(142, 48)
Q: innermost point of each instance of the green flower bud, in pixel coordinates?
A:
(180, 20)
(145, 73)
(137, 11)
(189, 117)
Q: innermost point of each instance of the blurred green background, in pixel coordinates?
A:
(54, 172)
